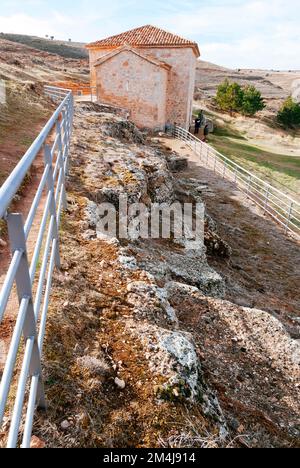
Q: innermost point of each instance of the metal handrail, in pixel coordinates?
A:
(32, 315)
(278, 205)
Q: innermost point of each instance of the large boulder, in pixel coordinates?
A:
(172, 355)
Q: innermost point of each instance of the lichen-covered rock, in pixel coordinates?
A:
(249, 352)
(127, 261)
(192, 268)
(173, 288)
(124, 130)
(160, 182)
(268, 333)
(185, 265)
(150, 301)
(172, 355)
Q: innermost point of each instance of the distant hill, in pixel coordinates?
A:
(73, 50)
(21, 63)
(275, 86)
(209, 76)
(203, 65)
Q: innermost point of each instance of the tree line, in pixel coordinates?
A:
(232, 97)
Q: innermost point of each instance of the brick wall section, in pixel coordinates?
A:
(134, 83)
(180, 81)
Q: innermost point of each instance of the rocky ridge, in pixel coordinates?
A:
(153, 318)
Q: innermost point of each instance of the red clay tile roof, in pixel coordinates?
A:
(145, 36)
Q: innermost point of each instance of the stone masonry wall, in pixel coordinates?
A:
(181, 80)
(131, 82)
(94, 56)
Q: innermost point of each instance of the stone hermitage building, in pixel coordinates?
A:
(147, 71)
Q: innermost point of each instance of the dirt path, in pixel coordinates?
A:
(264, 269)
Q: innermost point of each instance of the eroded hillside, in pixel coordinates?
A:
(275, 86)
(142, 349)
(65, 49)
(21, 63)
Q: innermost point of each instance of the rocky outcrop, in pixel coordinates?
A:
(177, 163)
(158, 342)
(124, 130)
(251, 356)
(172, 354)
(145, 175)
(166, 262)
(150, 302)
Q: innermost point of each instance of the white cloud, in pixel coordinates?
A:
(256, 53)
(25, 24)
(260, 34)
(234, 33)
(57, 24)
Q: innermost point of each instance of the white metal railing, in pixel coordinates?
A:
(281, 207)
(54, 143)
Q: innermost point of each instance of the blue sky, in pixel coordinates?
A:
(233, 33)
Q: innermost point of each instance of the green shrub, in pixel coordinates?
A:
(231, 97)
(252, 101)
(289, 114)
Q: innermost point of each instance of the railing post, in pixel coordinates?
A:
(201, 148)
(66, 139)
(289, 217)
(249, 185)
(71, 113)
(24, 290)
(267, 199)
(235, 175)
(62, 163)
(52, 210)
(225, 167)
(66, 128)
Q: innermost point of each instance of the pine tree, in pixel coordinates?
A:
(252, 101)
(229, 97)
(289, 114)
